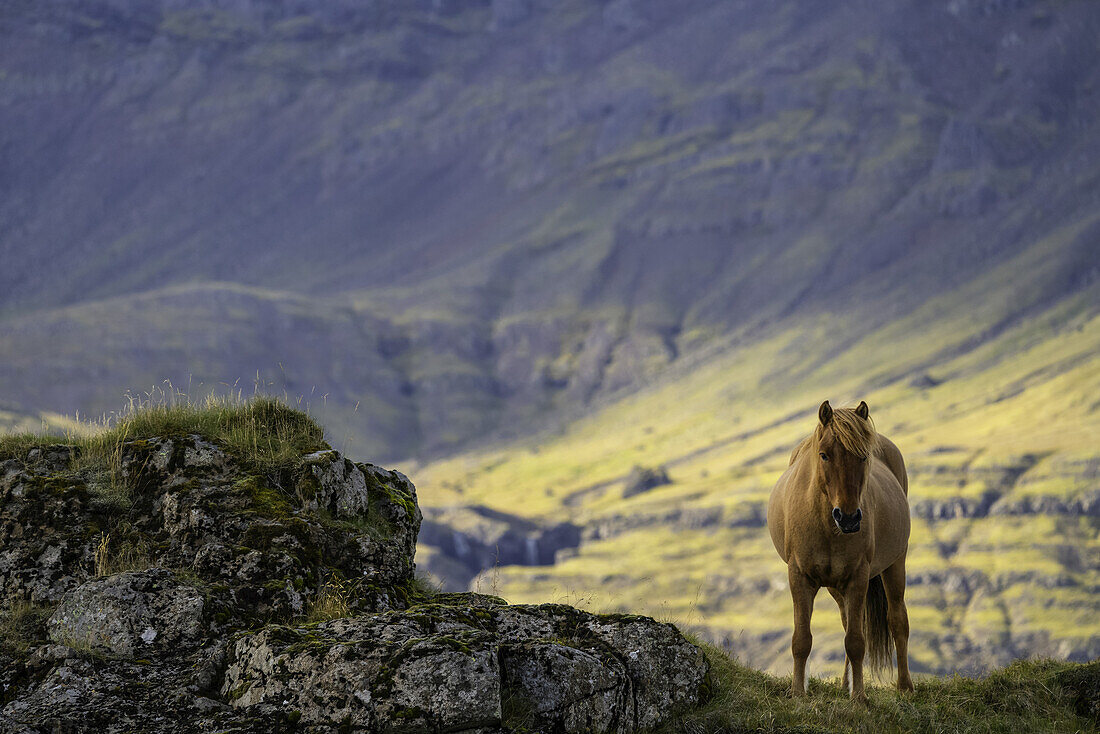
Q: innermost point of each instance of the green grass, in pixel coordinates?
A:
(263, 435)
(23, 624)
(261, 432)
(1031, 696)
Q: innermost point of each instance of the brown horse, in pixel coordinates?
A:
(839, 517)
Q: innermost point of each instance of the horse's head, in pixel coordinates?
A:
(845, 440)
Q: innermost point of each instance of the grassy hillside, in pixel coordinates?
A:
(1039, 696)
(1001, 449)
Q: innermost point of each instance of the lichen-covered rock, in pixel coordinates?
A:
(553, 687)
(170, 592)
(119, 696)
(44, 550)
(333, 483)
(129, 614)
(364, 672)
(666, 669)
(472, 663)
(188, 504)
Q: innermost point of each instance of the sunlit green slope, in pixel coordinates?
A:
(1000, 426)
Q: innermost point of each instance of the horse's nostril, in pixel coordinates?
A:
(859, 514)
(837, 515)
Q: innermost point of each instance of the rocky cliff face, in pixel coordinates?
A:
(461, 542)
(210, 595)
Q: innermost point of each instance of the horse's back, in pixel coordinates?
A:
(890, 455)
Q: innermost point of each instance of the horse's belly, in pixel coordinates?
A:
(891, 525)
(776, 517)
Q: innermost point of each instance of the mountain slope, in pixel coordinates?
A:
(547, 203)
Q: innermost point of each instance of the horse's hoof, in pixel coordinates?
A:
(906, 687)
(859, 698)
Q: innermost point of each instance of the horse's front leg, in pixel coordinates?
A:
(803, 592)
(855, 645)
(844, 623)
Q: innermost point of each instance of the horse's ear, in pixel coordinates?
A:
(825, 413)
(862, 410)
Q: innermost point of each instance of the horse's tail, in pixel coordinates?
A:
(876, 628)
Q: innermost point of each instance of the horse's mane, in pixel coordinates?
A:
(856, 434)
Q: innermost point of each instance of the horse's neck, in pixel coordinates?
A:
(814, 481)
(812, 488)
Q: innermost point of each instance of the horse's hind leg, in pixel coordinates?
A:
(844, 621)
(893, 581)
(803, 592)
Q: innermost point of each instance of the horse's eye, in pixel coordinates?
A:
(824, 456)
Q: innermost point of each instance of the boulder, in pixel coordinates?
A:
(332, 483)
(642, 479)
(130, 614)
(553, 687)
(471, 662)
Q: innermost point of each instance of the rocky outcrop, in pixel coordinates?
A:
(1087, 504)
(184, 503)
(186, 588)
(642, 479)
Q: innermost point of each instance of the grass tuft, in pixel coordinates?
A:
(23, 624)
(261, 432)
(123, 556)
(332, 601)
(1025, 696)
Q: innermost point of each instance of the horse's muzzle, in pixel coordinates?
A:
(847, 523)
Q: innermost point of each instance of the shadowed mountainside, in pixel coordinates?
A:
(466, 215)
